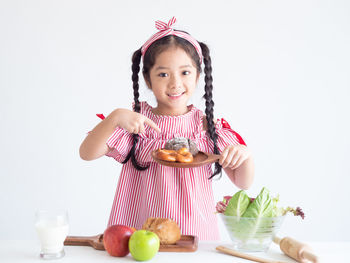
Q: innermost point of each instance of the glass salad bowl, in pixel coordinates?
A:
(252, 234)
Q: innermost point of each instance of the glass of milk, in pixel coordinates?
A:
(52, 229)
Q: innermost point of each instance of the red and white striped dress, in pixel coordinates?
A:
(184, 195)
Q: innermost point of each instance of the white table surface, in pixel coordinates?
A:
(28, 251)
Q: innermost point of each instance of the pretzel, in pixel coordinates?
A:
(182, 155)
(166, 155)
(184, 158)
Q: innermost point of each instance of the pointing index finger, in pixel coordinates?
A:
(151, 124)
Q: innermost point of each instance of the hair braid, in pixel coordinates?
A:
(136, 58)
(209, 104)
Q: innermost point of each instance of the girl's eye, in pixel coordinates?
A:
(186, 73)
(163, 75)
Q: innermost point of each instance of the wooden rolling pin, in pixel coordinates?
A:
(296, 250)
(235, 253)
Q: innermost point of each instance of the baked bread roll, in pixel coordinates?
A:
(181, 142)
(182, 155)
(166, 229)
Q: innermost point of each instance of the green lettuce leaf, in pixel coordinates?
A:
(260, 209)
(238, 204)
(262, 206)
(276, 211)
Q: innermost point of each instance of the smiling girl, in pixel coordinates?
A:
(172, 63)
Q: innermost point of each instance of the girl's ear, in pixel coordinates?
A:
(197, 78)
(147, 82)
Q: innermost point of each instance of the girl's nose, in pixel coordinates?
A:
(175, 82)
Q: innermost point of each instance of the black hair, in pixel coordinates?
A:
(209, 103)
(149, 59)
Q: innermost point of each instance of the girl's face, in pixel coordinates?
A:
(173, 79)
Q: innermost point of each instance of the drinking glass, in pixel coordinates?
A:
(52, 229)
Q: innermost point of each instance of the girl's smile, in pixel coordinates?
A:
(175, 96)
(173, 79)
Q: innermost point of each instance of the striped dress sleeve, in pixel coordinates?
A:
(120, 143)
(226, 135)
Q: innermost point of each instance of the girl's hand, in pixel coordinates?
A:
(133, 122)
(233, 156)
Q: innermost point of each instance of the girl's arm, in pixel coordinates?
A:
(243, 175)
(237, 162)
(94, 146)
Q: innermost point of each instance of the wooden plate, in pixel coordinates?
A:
(185, 244)
(200, 159)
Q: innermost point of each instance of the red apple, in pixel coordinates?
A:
(116, 240)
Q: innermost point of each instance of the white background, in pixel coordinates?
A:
(281, 79)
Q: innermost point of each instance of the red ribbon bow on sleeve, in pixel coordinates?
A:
(101, 116)
(225, 125)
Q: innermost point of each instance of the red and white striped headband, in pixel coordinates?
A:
(166, 29)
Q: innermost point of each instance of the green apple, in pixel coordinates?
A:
(143, 245)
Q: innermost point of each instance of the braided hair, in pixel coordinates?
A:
(209, 104)
(136, 58)
(149, 60)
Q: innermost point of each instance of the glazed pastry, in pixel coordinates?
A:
(182, 155)
(181, 142)
(166, 155)
(166, 229)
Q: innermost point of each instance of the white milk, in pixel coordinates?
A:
(52, 234)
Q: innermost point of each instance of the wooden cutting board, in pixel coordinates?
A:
(186, 243)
